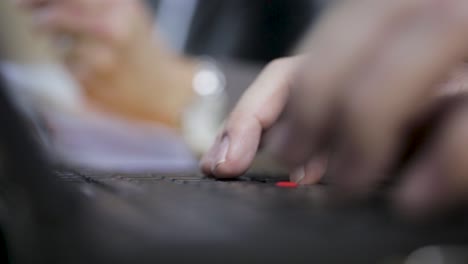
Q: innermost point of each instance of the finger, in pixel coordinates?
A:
(336, 53)
(311, 173)
(438, 179)
(392, 92)
(456, 82)
(256, 111)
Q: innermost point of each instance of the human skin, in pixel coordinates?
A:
(370, 69)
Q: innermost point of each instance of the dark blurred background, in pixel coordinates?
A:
(248, 30)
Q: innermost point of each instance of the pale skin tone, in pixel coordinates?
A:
(371, 68)
(117, 57)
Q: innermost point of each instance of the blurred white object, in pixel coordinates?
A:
(107, 143)
(45, 85)
(202, 119)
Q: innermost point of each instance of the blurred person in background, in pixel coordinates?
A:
(139, 70)
(157, 72)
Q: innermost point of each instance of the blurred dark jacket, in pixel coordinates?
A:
(249, 30)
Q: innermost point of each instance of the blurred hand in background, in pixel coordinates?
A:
(111, 47)
(371, 73)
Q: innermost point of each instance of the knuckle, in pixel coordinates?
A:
(278, 64)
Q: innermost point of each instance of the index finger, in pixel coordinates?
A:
(344, 40)
(257, 110)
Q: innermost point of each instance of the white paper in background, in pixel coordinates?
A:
(104, 142)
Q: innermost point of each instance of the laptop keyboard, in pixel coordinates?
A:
(150, 178)
(247, 185)
(253, 198)
(249, 188)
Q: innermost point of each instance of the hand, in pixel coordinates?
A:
(111, 48)
(355, 98)
(92, 33)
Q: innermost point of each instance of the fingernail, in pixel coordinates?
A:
(316, 169)
(298, 175)
(220, 152)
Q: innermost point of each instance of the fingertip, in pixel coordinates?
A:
(205, 165)
(315, 170)
(297, 175)
(207, 160)
(227, 170)
(237, 148)
(237, 161)
(258, 109)
(311, 173)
